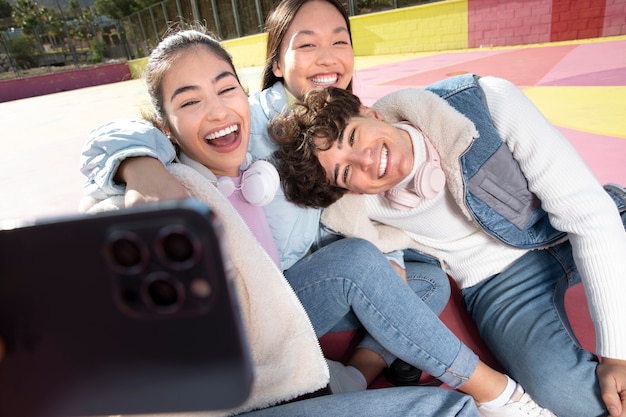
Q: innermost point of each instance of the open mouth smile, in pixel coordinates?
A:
(225, 139)
(221, 133)
(382, 166)
(324, 80)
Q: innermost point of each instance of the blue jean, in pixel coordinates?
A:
(349, 284)
(401, 401)
(520, 314)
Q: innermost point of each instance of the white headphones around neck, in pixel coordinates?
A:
(429, 180)
(259, 182)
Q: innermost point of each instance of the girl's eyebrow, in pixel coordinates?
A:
(311, 32)
(184, 88)
(181, 90)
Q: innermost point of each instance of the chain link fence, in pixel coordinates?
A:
(227, 19)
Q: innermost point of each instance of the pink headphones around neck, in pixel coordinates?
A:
(259, 183)
(429, 180)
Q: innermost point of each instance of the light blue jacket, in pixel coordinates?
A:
(296, 229)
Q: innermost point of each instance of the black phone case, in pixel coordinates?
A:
(124, 312)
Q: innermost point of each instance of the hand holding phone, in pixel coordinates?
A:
(123, 312)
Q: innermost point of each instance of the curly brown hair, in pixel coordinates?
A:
(313, 125)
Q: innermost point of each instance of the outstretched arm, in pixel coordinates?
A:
(129, 155)
(147, 180)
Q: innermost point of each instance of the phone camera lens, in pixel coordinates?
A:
(177, 247)
(164, 292)
(126, 253)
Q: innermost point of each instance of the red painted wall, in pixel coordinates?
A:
(518, 22)
(62, 81)
(576, 19)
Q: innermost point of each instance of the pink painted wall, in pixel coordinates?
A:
(614, 18)
(517, 22)
(62, 81)
(506, 22)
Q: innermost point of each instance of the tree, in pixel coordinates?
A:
(32, 19)
(74, 9)
(22, 48)
(29, 16)
(6, 9)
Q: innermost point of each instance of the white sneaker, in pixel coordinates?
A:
(520, 405)
(344, 378)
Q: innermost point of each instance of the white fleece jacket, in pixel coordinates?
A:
(287, 358)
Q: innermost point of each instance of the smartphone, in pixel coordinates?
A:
(123, 312)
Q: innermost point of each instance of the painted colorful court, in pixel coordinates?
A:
(580, 87)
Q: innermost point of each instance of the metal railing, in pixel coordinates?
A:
(227, 19)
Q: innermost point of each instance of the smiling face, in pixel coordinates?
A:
(316, 50)
(370, 156)
(207, 110)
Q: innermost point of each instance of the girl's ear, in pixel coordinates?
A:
(164, 128)
(370, 112)
(276, 69)
(167, 131)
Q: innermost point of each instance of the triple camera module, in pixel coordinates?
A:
(158, 272)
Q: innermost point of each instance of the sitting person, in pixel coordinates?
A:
(473, 175)
(309, 44)
(200, 105)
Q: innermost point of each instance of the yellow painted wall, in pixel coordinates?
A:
(429, 27)
(248, 51)
(136, 67)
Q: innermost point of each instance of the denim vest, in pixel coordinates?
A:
(496, 190)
